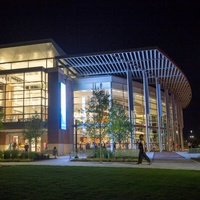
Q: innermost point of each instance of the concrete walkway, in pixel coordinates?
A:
(164, 160)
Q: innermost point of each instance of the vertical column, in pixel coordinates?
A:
(180, 124)
(110, 104)
(130, 102)
(146, 103)
(159, 112)
(174, 123)
(167, 119)
(181, 131)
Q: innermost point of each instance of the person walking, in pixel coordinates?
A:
(55, 152)
(26, 147)
(142, 153)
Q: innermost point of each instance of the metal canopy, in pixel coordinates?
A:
(153, 61)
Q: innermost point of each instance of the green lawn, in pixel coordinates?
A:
(94, 183)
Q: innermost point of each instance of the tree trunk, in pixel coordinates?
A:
(119, 144)
(42, 144)
(35, 144)
(29, 143)
(100, 144)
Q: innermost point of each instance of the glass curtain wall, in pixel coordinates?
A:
(46, 63)
(153, 122)
(80, 102)
(118, 93)
(171, 126)
(22, 95)
(163, 123)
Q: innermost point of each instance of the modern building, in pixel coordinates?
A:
(39, 77)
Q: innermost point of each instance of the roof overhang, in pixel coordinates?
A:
(155, 63)
(38, 49)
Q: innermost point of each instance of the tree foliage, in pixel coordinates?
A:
(33, 130)
(97, 115)
(120, 125)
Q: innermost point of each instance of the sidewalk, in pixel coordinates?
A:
(166, 161)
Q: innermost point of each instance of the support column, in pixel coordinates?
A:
(110, 104)
(167, 119)
(146, 103)
(174, 123)
(180, 124)
(159, 112)
(130, 102)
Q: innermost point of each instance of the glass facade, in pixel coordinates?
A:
(24, 94)
(118, 92)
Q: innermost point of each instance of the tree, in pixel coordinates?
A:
(97, 115)
(34, 130)
(120, 126)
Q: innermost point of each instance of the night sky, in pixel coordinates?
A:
(80, 26)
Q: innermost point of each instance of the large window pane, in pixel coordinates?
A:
(2, 79)
(32, 101)
(14, 118)
(49, 63)
(33, 76)
(5, 66)
(32, 109)
(19, 65)
(15, 78)
(37, 63)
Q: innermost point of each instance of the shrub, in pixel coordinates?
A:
(194, 150)
(95, 153)
(24, 155)
(90, 153)
(1, 154)
(7, 154)
(37, 156)
(14, 154)
(32, 155)
(43, 156)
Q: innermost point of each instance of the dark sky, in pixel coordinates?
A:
(80, 26)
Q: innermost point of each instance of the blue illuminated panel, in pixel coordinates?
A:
(63, 106)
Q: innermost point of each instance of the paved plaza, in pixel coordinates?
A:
(164, 160)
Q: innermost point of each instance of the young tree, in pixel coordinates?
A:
(34, 130)
(120, 126)
(97, 115)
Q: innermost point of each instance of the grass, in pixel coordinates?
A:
(98, 183)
